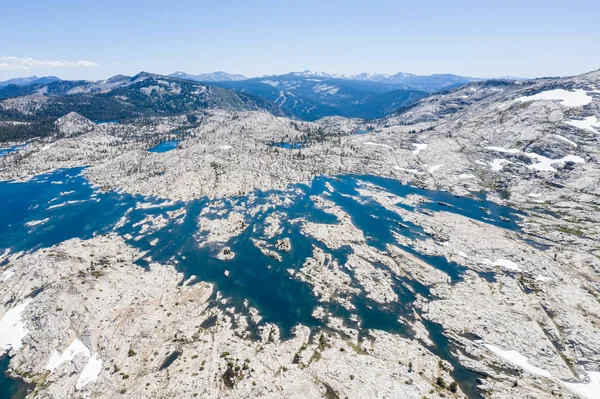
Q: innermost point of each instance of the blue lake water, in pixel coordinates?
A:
(288, 146)
(9, 387)
(103, 122)
(165, 146)
(363, 131)
(9, 150)
(74, 208)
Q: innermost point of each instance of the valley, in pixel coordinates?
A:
(211, 243)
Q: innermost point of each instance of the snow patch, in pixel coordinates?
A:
(586, 124)
(591, 390)
(516, 358)
(7, 274)
(69, 354)
(90, 372)
(544, 163)
(326, 89)
(576, 98)
(566, 140)
(12, 328)
(419, 148)
(507, 264)
(270, 82)
(498, 164)
(434, 168)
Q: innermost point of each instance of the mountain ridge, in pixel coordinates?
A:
(122, 97)
(375, 77)
(25, 81)
(217, 76)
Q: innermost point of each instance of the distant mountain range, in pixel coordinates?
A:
(429, 83)
(305, 95)
(122, 97)
(217, 76)
(401, 80)
(312, 95)
(313, 98)
(28, 81)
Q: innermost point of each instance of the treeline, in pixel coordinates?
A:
(17, 91)
(26, 131)
(92, 107)
(130, 102)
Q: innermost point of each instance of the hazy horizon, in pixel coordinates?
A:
(74, 40)
(25, 75)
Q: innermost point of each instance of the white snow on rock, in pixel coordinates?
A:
(586, 124)
(270, 82)
(7, 274)
(566, 140)
(326, 89)
(544, 163)
(434, 168)
(225, 147)
(591, 390)
(69, 354)
(419, 148)
(12, 328)
(576, 98)
(507, 264)
(498, 163)
(90, 372)
(517, 359)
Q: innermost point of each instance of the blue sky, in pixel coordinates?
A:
(101, 38)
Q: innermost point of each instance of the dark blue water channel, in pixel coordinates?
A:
(165, 146)
(9, 150)
(54, 207)
(288, 146)
(11, 388)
